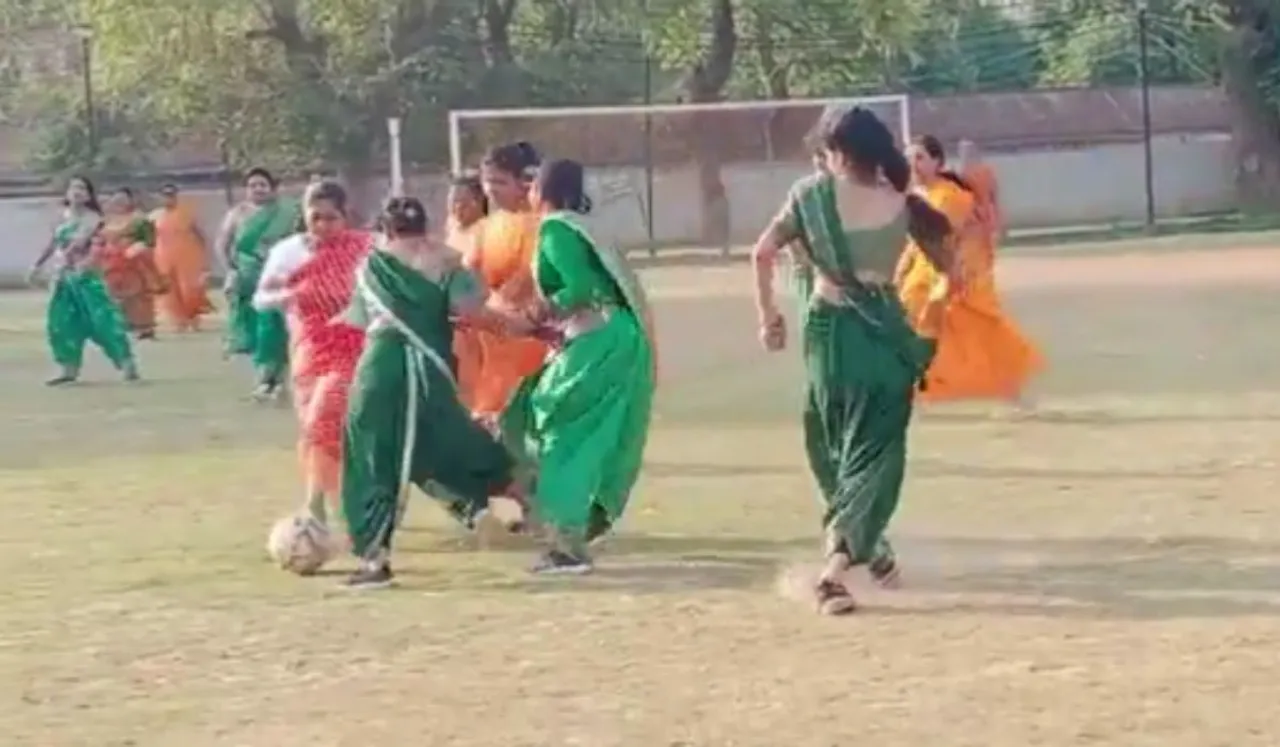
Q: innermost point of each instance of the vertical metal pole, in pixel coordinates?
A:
(90, 115)
(1144, 78)
(648, 138)
(455, 143)
(397, 164)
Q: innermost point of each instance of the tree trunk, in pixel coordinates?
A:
(1249, 47)
(704, 84)
(774, 74)
(497, 16)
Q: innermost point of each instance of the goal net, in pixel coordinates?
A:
(653, 169)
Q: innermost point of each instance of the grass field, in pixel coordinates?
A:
(1106, 572)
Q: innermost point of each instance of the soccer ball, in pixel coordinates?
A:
(300, 544)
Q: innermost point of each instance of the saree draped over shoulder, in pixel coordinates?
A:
(126, 254)
(81, 310)
(582, 420)
(405, 423)
(862, 361)
(260, 335)
(981, 352)
(492, 363)
(323, 348)
(182, 260)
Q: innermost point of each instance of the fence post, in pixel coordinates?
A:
(648, 144)
(1144, 78)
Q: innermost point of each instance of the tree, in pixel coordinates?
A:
(702, 38)
(1247, 42)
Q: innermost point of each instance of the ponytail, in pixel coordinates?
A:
(931, 231)
(895, 168)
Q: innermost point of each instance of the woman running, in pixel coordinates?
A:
(80, 307)
(311, 278)
(862, 357)
(981, 352)
(583, 419)
(126, 252)
(182, 256)
(405, 422)
(248, 232)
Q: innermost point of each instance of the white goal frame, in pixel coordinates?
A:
(458, 116)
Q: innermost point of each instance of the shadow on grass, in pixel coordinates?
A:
(1127, 578)
(1115, 578)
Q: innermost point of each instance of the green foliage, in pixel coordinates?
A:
(311, 82)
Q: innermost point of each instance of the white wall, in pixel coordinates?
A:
(1046, 188)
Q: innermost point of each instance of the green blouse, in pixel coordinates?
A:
(568, 271)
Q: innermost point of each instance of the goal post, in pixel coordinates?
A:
(642, 160)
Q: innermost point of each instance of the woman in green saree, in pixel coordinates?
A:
(850, 225)
(248, 233)
(405, 424)
(80, 307)
(581, 421)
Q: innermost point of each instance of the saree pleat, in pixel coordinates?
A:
(405, 424)
(581, 422)
(863, 362)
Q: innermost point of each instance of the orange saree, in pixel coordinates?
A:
(492, 364)
(126, 253)
(981, 352)
(182, 260)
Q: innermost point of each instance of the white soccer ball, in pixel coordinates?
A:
(300, 544)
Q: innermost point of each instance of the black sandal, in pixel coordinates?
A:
(885, 572)
(834, 598)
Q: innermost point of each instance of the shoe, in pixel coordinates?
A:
(886, 573)
(60, 379)
(834, 599)
(561, 563)
(371, 577)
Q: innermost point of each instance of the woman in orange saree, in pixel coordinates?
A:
(311, 277)
(182, 257)
(468, 208)
(981, 352)
(126, 253)
(491, 362)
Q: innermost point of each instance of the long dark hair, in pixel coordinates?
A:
(933, 147)
(869, 147)
(562, 185)
(92, 202)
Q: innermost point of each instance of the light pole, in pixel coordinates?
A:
(85, 34)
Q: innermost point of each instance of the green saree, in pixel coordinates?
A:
(802, 281)
(863, 361)
(580, 423)
(405, 425)
(262, 335)
(81, 309)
